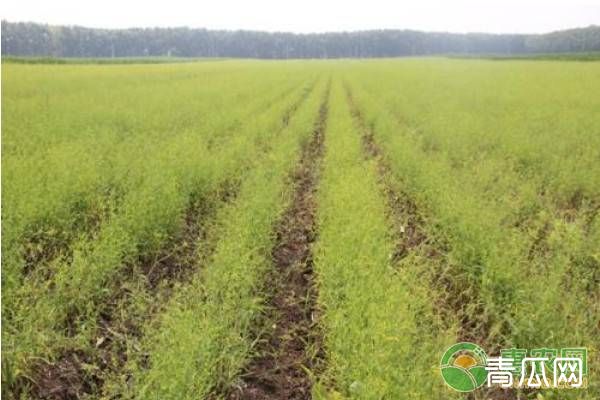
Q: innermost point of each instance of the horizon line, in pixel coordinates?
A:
(296, 33)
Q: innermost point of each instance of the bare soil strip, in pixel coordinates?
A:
(76, 372)
(410, 235)
(292, 345)
(49, 243)
(402, 210)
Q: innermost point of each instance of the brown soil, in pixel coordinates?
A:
(292, 344)
(402, 210)
(76, 373)
(62, 379)
(410, 236)
(44, 243)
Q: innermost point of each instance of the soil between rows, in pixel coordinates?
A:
(292, 345)
(77, 373)
(410, 235)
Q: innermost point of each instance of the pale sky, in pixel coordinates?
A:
(496, 16)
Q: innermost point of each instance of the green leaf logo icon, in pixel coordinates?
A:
(463, 367)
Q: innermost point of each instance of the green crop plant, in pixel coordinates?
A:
(158, 179)
(513, 192)
(210, 319)
(458, 200)
(374, 313)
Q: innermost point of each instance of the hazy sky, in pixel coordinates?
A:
(523, 16)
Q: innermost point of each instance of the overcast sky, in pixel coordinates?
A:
(497, 16)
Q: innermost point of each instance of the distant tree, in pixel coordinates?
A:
(31, 39)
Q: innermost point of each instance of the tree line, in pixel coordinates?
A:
(40, 40)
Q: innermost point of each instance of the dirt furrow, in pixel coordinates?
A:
(402, 210)
(48, 243)
(410, 235)
(292, 345)
(79, 372)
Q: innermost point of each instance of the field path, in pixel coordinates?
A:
(292, 342)
(155, 277)
(411, 237)
(405, 217)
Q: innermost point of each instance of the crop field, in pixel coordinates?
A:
(295, 229)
